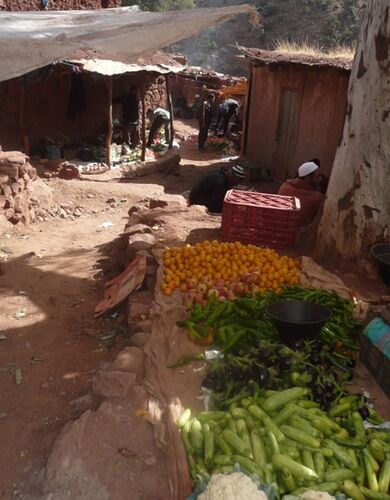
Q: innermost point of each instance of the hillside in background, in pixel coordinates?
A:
(323, 23)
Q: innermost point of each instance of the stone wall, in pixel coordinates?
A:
(156, 95)
(21, 191)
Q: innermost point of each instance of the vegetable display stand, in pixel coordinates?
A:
(260, 218)
(375, 352)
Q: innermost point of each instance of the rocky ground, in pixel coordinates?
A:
(52, 277)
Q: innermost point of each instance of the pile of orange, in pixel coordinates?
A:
(227, 268)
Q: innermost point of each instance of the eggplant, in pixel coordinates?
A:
(364, 412)
(285, 363)
(315, 358)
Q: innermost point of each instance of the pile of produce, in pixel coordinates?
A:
(225, 270)
(217, 144)
(285, 438)
(243, 323)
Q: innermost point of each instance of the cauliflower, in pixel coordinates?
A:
(234, 486)
(316, 495)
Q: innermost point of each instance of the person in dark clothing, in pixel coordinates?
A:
(130, 116)
(211, 189)
(226, 111)
(205, 121)
(158, 118)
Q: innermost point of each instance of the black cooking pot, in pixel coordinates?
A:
(381, 254)
(297, 319)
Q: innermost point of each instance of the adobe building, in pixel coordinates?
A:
(295, 110)
(69, 104)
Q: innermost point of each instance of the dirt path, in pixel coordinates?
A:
(50, 283)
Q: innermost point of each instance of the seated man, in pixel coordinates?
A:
(211, 189)
(158, 118)
(305, 188)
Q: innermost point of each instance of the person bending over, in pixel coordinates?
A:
(211, 189)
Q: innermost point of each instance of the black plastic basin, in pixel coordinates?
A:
(381, 254)
(297, 319)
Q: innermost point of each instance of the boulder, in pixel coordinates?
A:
(130, 359)
(141, 242)
(109, 383)
(138, 228)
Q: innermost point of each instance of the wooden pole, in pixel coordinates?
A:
(244, 139)
(109, 122)
(143, 125)
(170, 109)
(23, 134)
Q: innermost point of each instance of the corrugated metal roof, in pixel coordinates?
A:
(110, 65)
(268, 57)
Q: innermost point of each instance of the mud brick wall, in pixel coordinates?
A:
(45, 109)
(16, 188)
(19, 5)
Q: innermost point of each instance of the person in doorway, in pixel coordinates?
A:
(305, 188)
(226, 110)
(130, 115)
(211, 189)
(196, 105)
(158, 118)
(205, 115)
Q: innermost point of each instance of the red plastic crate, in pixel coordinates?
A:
(260, 218)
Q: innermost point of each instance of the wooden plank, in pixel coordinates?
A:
(170, 108)
(109, 122)
(244, 138)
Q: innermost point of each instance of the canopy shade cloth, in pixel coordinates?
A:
(31, 40)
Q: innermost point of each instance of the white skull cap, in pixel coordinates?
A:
(307, 168)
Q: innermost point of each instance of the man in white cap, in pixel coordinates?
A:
(211, 189)
(305, 188)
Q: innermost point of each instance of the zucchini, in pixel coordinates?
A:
(319, 464)
(352, 490)
(258, 450)
(223, 445)
(300, 436)
(219, 460)
(374, 495)
(339, 475)
(288, 480)
(358, 426)
(384, 476)
(260, 414)
(209, 446)
(184, 418)
(211, 415)
(370, 473)
(280, 399)
(248, 465)
(298, 470)
(196, 436)
(329, 486)
(342, 455)
(235, 442)
(307, 459)
(274, 445)
(305, 426)
(377, 449)
(284, 415)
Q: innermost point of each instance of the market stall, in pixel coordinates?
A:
(278, 401)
